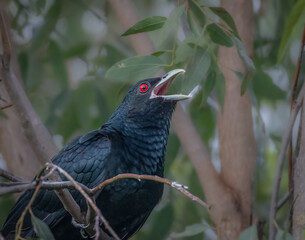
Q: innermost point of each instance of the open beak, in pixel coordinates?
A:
(161, 87)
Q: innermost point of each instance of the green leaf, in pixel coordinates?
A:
(249, 234)
(58, 63)
(135, 68)
(40, 4)
(42, 229)
(291, 21)
(23, 60)
(159, 53)
(191, 23)
(226, 17)
(282, 235)
(209, 84)
(76, 51)
(82, 100)
(197, 69)
(146, 25)
(264, 87)
(183, 52)
(218, 36)
(245, 81)
(220, 88)
(242, 53)
(197, 13)
(44, 32)
(170, 24)
(113, 55)
(57, 107)
(190, 231)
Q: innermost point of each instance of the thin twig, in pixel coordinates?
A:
(88, 199)
(290, 151)
(173, 184)
(283, 200)
(298, 70)
(97, 228)
(86, 192)
(6, 106)
(14, 187)
(9, 176)
(5, 43)
(280, 162)
(20, 220)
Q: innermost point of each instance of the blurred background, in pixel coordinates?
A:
(65, 49)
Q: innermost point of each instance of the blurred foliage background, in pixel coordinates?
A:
(65, 48)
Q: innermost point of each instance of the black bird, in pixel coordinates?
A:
(132, 141)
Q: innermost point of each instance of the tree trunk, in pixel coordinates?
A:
(298, 217)
(25, 143)
(236, 137)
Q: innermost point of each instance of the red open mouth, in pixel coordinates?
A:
(161, 88)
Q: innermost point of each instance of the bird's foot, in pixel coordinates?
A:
(79, 225)
(86, 235)
(82, 227)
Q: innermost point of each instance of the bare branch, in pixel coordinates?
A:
(93, 213)
(20, 220)
(14, 187)
(9, 176)
(34, 130)
(173, 184)
(283, 200)
(88, 199)
(280, 162)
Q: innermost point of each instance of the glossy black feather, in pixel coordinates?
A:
(132, 141)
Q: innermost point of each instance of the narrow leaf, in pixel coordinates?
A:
(291, 21)
(44, 32)
(209, 84)
(249, 234)
(159, 53)
(245, 81)
(226, 17)
(134, 68)
(197, 12)
(197, 69)
(220, 89)
(242, 53)
(218, 36)
(183, 52)
(191, 22)
(146, 25)
(42, 229)
(76, 51)
(264, 88)
(58, 63)
(170, 24)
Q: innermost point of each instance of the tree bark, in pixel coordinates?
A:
(298, 216)
(25, 143)
(236, 137)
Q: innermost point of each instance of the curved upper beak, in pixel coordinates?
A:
(160, 89)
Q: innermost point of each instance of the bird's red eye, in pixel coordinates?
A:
(143, 87)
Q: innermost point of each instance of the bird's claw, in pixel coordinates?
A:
(86, 235)
(79, 225)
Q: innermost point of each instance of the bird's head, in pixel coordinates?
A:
(147, 100)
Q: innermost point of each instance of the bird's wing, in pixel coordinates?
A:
(84, 160)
